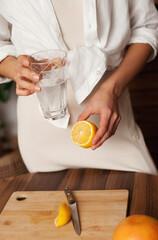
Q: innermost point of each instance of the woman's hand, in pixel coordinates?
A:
(25, 79)
(105, 103)
(105, 100)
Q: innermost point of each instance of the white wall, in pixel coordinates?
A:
(8, 114)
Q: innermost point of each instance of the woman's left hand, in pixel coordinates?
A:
(105, 103)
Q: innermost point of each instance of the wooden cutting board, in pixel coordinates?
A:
(30, 215)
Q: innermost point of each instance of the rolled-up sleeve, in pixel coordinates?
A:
(6, 47)
(144, 24)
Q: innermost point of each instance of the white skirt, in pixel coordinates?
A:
(45, 147)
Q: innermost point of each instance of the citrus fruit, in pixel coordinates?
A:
(58, 62)
(63, 216)
(83, 132)
(137, 227)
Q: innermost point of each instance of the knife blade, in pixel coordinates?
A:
(74, 210)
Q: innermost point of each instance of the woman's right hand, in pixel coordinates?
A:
(25, 79)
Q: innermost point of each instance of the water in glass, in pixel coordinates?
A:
(53, 98)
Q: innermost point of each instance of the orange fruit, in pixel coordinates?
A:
(82, 133)
(137, 227)
(63, 216)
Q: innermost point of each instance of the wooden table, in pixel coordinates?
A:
(143, 188)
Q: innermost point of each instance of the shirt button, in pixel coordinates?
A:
(59, 34)
(98, 72)
(135, 137)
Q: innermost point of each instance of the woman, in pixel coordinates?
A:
(118, 37)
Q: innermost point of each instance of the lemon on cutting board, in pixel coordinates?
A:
(83, 132)
(63, 216)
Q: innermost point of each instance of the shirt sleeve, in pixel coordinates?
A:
(144, 24)
(6, 47)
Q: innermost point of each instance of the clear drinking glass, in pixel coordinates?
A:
(51, 66)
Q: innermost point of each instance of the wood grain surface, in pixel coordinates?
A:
(33, 216)
(143, 188)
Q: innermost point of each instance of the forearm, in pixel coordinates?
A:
(8, 66)
(135, 59)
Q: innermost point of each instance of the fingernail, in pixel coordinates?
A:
(37, 89)
(93, 148)
(35, 77)
(26, 62)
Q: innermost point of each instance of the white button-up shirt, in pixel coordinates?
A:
(109, 26)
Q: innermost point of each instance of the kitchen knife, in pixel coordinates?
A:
(74, 210)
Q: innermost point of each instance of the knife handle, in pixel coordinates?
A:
(69, 195)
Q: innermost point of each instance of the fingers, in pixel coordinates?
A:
(25, 78)
(105, 117)
(107, 127)
(84, 115)
(109, 121)
(23, 60)
(26, 84)
(26, 73)
(23, 92)
(116, 125)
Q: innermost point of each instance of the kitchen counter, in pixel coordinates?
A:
(143, 188)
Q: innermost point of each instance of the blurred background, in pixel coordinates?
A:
(144, 97)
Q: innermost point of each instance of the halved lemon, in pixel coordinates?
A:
(83, 132)
(63, 216)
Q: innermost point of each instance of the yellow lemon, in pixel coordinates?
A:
(58, 62)
(63, 216)
(83, 133)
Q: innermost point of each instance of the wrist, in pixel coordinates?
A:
(113, 85)
(8, 67)
(134, 60)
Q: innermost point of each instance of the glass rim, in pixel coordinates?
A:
(48, 50)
